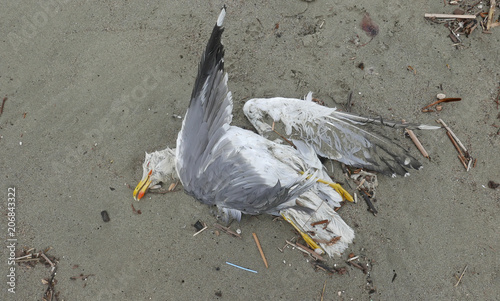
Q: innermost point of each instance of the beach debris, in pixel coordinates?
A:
(491, 12)
(357, 266)
(200, 227)
(427, 108)
(394, 276)
(410, 68)
(134, 210)
(105, 216)
(497, 100)
(463, 153)
(240, 267)
(227, 230)
(3, 103)
(29, 257)
(365, 180)
(417, 143)
(323, 291)
(81, 276)
(369, 26)
(172, 186)
(352, 257)
(367, 183)
(306, 250)
(493, 185)
(461, 276)
(324, 222)
(464, 19)
(257, 242)
(448, 16)
(368, 201)
(330, 270)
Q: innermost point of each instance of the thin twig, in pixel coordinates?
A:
(491, 12)
(417, 143)
(371, 207)
(462, 275)
(83, 277)
(354, 258)
(424, 109)
(357, 266)
(323, 292)
(306, 250)
(260, 249)
(205, 227)
(3, 103)
(25, 256)
(47, 259)
(227, 230)
(454, 136)
(447, 16)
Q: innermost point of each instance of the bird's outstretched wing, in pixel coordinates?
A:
(348, 138)
(223, 165)
(210, 110)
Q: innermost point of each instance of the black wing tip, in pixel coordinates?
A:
(213, 56)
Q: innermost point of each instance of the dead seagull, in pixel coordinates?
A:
(241, 172)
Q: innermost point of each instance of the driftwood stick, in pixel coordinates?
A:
(460, 154)
(462, 275)
(260, 249)
(447, 16)
(417, 143)
(306, 250)
(227, 230)
(454, 136)
(47, 259)
(449, 99)
(491, 12)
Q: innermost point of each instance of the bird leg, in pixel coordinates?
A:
(345, 195)
(305, 236)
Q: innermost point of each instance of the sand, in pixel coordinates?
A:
(92, 86)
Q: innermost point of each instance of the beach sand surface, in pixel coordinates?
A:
(92, 85)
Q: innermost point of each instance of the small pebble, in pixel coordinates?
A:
(439, 108)
(198, 226)
(105, 216)
(238, 231)
(440, 96)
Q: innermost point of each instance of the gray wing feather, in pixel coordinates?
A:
(354, 140)
(209, 166)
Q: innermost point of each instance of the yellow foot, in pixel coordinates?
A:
(304, 235)
(345, 195)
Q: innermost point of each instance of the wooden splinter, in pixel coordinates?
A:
(260, 249)
(417, 143)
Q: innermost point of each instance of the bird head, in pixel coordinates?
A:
(158, 167)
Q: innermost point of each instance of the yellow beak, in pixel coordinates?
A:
(143, 186)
